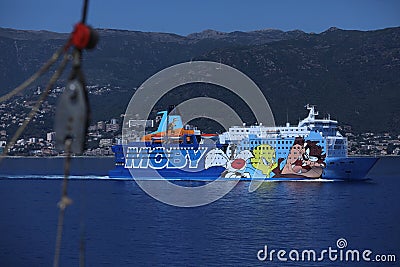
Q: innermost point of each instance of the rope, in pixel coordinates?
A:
(64, 202)
(84, 12)
(35, 109)
(46, 65)
(35, 76)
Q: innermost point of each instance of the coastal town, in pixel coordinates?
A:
(373, 144)
(103, 134)
(39, 138)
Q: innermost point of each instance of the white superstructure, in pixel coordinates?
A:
(323, 130)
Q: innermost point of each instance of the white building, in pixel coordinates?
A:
(105, 142)
(32, 140)
(51, 136)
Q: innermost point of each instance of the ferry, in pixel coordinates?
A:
(314, 149)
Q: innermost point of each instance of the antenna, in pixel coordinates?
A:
(287, 115)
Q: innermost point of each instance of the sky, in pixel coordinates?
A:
(187, 16)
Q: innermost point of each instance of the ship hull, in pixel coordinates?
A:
(337, 168)
(349, 168)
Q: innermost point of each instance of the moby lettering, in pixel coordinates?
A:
(160, 157)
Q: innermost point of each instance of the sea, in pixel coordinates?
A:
(115, 223)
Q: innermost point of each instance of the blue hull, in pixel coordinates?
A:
(351, 168)
(344, 169)
(208, 175)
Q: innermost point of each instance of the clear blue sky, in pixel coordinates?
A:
(187, 16)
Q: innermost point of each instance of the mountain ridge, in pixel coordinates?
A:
(345, 72)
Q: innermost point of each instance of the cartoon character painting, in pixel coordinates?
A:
(305, 159)
(264, 159)
(233, 161)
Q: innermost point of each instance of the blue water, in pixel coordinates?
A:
(122, 226)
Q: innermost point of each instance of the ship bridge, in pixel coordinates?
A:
(325, 126)
(336, 143)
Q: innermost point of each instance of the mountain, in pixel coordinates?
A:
(247, 38)
(353, 75)
(122, 57)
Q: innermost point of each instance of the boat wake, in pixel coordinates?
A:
(97, 177)
(56, 177)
